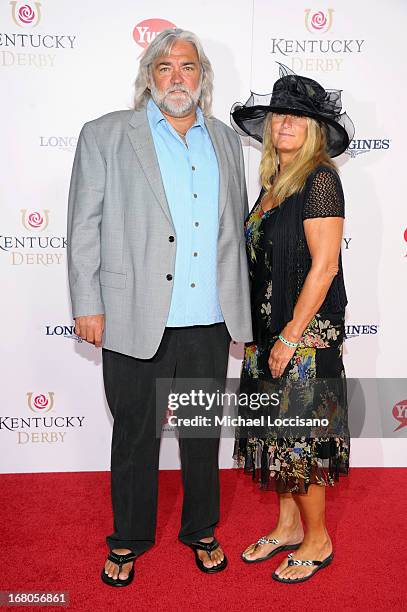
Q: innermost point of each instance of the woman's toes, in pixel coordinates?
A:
(248, 553)
(284, 572)
(281, 568)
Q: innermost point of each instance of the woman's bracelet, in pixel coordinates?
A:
(287, 342)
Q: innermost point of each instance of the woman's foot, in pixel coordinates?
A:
(112, 569)
(217, 555)
(286, 536)
(313, 550)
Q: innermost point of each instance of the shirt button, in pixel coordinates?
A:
(193, 168)
(195, 254)
(196, 223)
(195, 195)
(169, 277)
(192, 285)
(171, 238)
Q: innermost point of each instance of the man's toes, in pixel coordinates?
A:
(218, 557)
(124, 574)
(206, 560)
(109, 569)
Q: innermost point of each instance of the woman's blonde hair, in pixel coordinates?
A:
(312, 153)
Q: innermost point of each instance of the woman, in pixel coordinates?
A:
(293, 236)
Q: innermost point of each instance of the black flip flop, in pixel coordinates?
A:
(209, 547)
(120, 560)
(265, 540)
(318, 566)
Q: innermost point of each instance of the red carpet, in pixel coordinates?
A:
(53, 528)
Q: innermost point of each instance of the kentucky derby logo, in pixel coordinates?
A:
(145, 31)
(34, 220)
(25, 15)
(318, 22)
(40, 402)
(399, 413)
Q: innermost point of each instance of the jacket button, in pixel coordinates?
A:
(171, 238)
(169, 277)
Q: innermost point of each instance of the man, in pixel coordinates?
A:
(158, 277)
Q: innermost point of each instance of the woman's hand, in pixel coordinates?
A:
(279, 357)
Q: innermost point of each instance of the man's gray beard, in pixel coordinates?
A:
(176, 106)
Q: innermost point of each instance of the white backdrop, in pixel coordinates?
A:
(65, 63)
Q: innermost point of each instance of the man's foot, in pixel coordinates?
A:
(112, 569)
(317, 550)
(286, 537)
(217, 555)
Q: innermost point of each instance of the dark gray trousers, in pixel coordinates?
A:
(130, 387)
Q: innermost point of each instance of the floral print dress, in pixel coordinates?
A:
(290, 464)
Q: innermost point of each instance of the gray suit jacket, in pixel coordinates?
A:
(119, 223)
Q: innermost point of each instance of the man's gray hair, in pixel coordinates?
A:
(162, 46)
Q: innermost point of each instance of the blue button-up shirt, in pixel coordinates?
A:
(190, 176)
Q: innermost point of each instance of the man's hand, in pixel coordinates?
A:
(90, 328)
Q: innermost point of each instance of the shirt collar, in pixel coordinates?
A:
(156, 115)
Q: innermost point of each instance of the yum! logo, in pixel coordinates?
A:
(24, 15)
(319, 21)
(145, 31)
(399, 413)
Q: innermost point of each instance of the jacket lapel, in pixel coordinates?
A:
(143, 145)
(220, 149)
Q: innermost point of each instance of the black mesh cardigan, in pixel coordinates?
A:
(322, 196)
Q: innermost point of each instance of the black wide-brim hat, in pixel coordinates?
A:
(296, 95)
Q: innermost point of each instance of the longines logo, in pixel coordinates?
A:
(146, 31)
(357, 147)
(26, 16)
(64, 331)
(355, 330)
(34, 249)
(41, 428)
(62, 143)
(399, 413)
(318, 54)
